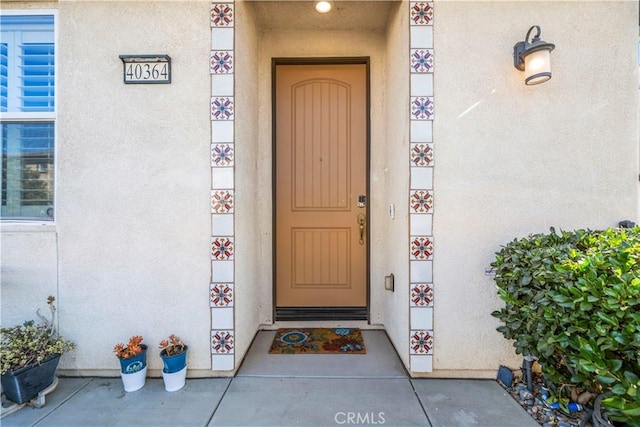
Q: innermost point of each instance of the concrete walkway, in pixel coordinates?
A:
(285, 390)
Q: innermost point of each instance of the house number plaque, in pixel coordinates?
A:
(146, 69)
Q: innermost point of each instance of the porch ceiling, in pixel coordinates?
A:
(301, 15)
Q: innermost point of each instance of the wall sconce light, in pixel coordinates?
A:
(534, 58)
(322, 6)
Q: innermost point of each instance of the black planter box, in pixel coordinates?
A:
(24, 384)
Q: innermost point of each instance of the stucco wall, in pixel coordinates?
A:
(394, 180)
(513, 160)
(132, 200)
(253, 211)
(29, 271)
(130, 250)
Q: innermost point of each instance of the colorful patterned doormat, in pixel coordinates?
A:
(318, 341)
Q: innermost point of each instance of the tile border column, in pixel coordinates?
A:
(421, 196)
(222, 284)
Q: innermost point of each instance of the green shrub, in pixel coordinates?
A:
(573, 301)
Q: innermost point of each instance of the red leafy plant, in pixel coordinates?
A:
(132, 349)
(174, 345)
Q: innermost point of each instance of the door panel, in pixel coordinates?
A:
(321, 168)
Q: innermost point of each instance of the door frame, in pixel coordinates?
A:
(321, 313)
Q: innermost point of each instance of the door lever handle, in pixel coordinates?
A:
(361, 222)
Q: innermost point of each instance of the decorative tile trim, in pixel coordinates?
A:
(222, 132)
(421, 295)
(223, 271)
(221, 295)
(222, 248)
(421, 179)
(421, 162)
(222, 342)
(421, 13)
(222, 318)
(222, 15)
(221, 62)
(421, 37)
(222, 159)
(421, 318)
(225, 362)
(421, 201)
(421, 342)
(421, 84)
(422, 60)
(223, 38)
(421, 363)
(421, 271)
(421, 154)
(420, 130)
(222, 108)
(222, 178)
(222, 201)
(222, 155)
(422, 108)
(223, 84)
(421, 248)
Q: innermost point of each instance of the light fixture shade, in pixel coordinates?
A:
(537, 67)
(533, 57)
(323, 6)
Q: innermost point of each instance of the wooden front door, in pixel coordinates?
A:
(321, 171)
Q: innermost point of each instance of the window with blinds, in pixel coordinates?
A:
(37, 77)
(27, 101)
(4, 76)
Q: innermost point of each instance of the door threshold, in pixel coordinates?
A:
(362, 324)
(321, 313)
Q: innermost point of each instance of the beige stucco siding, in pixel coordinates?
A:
(132, 194)
(512, 159)
(253, 190)
(391, 186)
(130, 250)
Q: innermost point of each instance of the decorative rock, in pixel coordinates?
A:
(547, 425)
(585, 398)
(525, 395)
(529, 402)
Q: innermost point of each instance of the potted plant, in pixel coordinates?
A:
(174, 358)
(133, 363)
(30, 354)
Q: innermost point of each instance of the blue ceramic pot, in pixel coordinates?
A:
(24, 384)
(174, 363)
(135, 363)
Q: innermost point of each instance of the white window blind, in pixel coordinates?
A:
(28, 63)
(37, 77)
(27, 99)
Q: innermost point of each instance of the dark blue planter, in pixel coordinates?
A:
(24, 384)
(174, 363)
(136, 363)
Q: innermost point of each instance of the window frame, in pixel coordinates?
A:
(39, 117)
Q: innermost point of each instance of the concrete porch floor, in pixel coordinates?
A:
(285, 390)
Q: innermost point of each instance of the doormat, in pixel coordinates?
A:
(318, 341)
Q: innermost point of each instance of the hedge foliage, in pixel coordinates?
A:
(572, 300)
